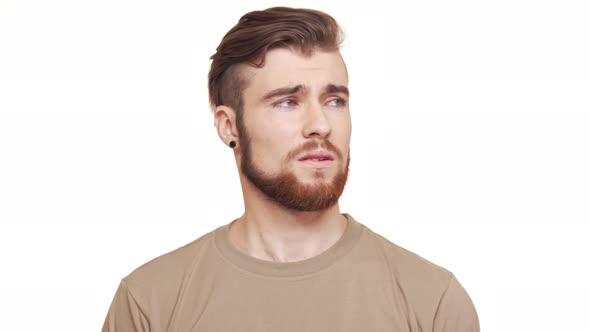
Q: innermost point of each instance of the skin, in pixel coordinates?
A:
(278, 126)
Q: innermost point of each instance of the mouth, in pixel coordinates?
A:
(317, 159)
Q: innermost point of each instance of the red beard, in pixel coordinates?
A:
(285, 189)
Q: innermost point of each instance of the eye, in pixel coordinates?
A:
(337, 102)
(285, 103)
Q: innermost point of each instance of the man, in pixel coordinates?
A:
(292, 261)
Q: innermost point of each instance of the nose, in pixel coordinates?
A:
(316, 123)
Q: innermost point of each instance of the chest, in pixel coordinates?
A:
(339, 301)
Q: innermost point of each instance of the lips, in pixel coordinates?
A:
(317, 157)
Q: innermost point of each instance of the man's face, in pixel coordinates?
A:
(296, 128)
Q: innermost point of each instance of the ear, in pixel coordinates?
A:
(225, 123)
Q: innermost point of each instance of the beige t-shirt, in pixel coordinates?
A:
(361, 283)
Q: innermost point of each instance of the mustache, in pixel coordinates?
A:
(314, 145)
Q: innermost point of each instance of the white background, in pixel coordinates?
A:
(470, 147)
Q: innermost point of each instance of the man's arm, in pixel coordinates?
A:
(456, 312)
(125, 314)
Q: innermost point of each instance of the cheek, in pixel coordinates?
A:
(341, 130)
(272, 142)
(282, 130)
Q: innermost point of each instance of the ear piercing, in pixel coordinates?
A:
(232, 144)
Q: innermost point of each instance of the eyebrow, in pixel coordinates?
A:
(330, 88)
(282, 91)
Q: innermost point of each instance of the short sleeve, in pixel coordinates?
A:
(125, 314)
(456, 312)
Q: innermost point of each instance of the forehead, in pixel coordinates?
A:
(284, 67)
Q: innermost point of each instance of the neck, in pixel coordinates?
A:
(271, 232)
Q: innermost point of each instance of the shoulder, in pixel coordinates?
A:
(421, 282)
(432, 292)
(163, 275)
(406, 264)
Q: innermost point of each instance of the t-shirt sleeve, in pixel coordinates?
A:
(456, 312)
(125, 314)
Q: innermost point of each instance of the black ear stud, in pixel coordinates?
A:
(232, 144)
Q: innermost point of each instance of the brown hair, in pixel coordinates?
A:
(256, 33)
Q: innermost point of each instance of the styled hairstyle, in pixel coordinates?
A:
(254, 35)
